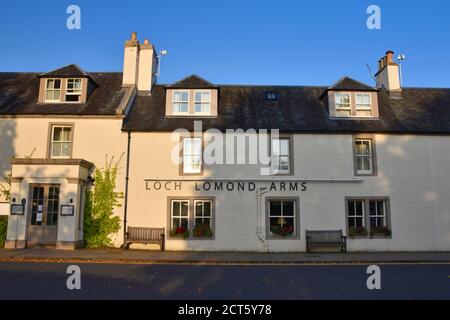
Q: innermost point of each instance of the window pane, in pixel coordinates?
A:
(275, 208)
(207, 209)
(56, 149)
(57, 84)
(50, 84)
(198, 209)
(284, 147)
(175, 208)
(65, 149)
(184, 209)
(288, 208)
(276, 147)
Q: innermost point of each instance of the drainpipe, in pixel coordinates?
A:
(259, 232)
(127, 179)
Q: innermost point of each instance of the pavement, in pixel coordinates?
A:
(119, 256)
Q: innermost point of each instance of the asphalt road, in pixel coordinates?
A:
(195, 282)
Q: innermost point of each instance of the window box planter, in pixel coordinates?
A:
(180, 233)
(282, 231)
(380, 232)
(203, 231)
(357, 232)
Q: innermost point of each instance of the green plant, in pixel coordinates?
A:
(385, 231)
(357, 232)
(3, 230)
(180, 232)
(5, 190)
(284, 231)
(99, 220)
(203, 231)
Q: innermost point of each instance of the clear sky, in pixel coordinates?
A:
(234, 42)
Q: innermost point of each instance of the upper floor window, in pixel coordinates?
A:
(363, 105)
(202, 102)
(192, 155)
(180, 102)
(53, 90)
(343, 104)
(281, 156)
(61, 142)
(364, 156)
(74, 90)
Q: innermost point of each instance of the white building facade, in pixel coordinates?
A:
(370, 161)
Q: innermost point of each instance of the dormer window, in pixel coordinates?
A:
(271, 96)
(343, 104)
(53, 90)
(363, 105)
(74, 90)
(180, 102)
(202, 102)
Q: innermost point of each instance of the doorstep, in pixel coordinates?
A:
(176, 257)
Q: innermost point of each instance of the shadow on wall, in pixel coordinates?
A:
(7, 152)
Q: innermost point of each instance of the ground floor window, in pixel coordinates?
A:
(282, 218)
(368, 217)
(192, 218)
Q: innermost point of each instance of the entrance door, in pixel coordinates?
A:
(44, 214)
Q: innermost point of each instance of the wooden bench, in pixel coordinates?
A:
(145, 236)
(326, 239)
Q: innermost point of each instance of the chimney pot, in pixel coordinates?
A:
(146, 41)
(134, 36)
(390, 56)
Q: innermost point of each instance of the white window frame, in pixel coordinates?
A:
(179, 216)
(363, 107)
(356, 216)
(52, 90)
(52, 141)
(278, 171)
(192, 171)
(340, 108)
(203, 217)
(202, 102)
(357, 156)
(377, 215)
(180, 102)
(78, 92)
(281, 216)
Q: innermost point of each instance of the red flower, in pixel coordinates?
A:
(180, 230)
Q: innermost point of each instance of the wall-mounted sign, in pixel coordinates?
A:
(226, 186)
(67, 211)
(39, 217)
(17, 210)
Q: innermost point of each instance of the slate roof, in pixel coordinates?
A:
(19, 96)
(298, 109)
(347, 83)
(192, 82)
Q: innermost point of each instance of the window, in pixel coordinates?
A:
(202, 102)
(74, 90)
(271, 96)
(377, 211)
(343, 105)
(192, 155)
(53, 90)
(281, 156)
(356, 214)
(363, 105)
(179, 215)
(61, 142)
(191, 218)
(282, 218)
(181, 102)
(364, 156)
(203, 214)
(368, 216)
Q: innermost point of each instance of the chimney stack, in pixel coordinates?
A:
(388, 75)
(140, 64)
(131, 60)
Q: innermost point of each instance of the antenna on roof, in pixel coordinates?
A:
(370, 72)
(162, 53)
(400, 59)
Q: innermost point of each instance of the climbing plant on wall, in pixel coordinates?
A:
(100, 224)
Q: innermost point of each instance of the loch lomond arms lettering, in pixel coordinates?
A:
(225, 186)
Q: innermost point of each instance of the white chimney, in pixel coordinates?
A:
(131, 61)
(147, 67)
(388, 75)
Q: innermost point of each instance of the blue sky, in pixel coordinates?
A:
(234, 42)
